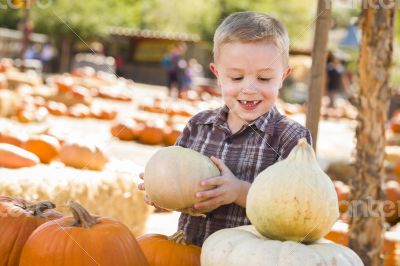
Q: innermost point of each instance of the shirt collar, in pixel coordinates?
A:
(264, 123)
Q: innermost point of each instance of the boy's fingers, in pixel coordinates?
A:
(219, 163)
(141, 175)
(141, 186)
(213, 181)
(147, 200)
(211, 203)
(209, 193)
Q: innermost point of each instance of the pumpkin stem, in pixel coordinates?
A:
(39, 208)
(178, 237)
(82, 217)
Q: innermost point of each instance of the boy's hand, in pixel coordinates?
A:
(227, 188)
(146, 197)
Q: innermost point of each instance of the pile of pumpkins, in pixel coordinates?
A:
(150, 132)
(391, 189)
(170, 108)
(291, 205)
(340, 231)
(25, 108)
(33, 233)
(27, 151)
(343, 109)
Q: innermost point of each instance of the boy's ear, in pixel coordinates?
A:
(213, 69)
(287, 73)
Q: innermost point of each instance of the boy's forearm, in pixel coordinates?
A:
(244, 189)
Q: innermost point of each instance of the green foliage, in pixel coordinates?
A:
(202, 17)
(86, 19)
(90, 18)
(9, 18)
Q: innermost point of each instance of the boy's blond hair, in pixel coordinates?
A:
(252, 27)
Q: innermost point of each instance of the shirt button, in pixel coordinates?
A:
(229, 140)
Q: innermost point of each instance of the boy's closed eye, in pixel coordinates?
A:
(259, 78)
(236, 78)
(264, 79)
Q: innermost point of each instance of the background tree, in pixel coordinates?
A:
(366, 226)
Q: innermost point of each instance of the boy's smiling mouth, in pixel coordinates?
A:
(249, 105)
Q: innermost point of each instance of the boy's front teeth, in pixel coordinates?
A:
(250, 102)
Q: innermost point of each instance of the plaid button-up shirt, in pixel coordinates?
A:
(246, 153)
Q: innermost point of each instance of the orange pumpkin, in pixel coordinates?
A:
(395, 123)
(104, 113)
(44, 146)
(31, 113)
(18, 219)
(14, 157)
(391, 206)
(15, 139)
(343, 192)
(152, 133)
(79, 111)
(169, 251)
(80, 155)
(127, 130)
(56, 108)
(172, 134)
(64, 83)
(82, 239)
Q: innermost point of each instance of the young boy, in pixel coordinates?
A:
(248, 134)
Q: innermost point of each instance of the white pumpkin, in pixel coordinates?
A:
(293, 199)
(172, 177)
(243, 245)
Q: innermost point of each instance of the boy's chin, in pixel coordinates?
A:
(249, 117)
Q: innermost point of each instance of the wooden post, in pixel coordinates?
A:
(318, 68)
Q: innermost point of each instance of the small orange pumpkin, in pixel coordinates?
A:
(126, 130)
(392, 191)
(18, 219)
(152, 133)
(104, 113)
(169, 251)
(12, 138)
(82, 239)
(31, 113)
(343, 192)
(56, 108)
(172, 134)
(44, 146)
(79, 111)
(15, 157)
(64, 83)
(82, 155)
(395, 123)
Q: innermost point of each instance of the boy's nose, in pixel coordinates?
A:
(249, 87)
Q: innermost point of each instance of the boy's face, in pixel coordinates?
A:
(250, 76)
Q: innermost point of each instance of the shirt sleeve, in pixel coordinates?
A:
(183, 139)
(293, 140)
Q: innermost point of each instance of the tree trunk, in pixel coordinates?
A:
(366, 226)
(26, 36)
(318, 68)
(65, 54)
